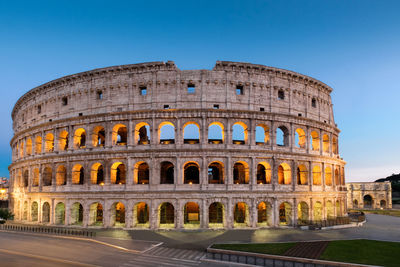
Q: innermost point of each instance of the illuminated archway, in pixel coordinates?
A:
(59, 213)
(314, 141)
(240, 173)
(99, 136)
(241, 214)
(264, 211)
(142, 133)
(316, 175)
(119, 135)
(215, 133)
(216, 215)
(330, 212)
(78, 174)
(97, 174)
(302, 213)
(317, 210)
(262, 134)
(166, 172)
(118, 214)
(302, 175)
(49, 142)
(239, 133)
(191, 173)
(166, 215)
(118, 173)
(328, 176)
(34, 211)
(141, 214)
(96, 214)
(47, 176)
(285, 214)
(80, 138)
(63, 141)
(29, 147)
(284, 174)
(61, 175)
(76, 214)
(191, 215)
(38, 145)
(141, 173)
(325, 143)
(46, 212)
(191, 133)
(282, 136)
(263, 173)
(216, 173)
(300, 138)
(166, 133)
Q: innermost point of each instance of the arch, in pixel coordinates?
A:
(317, 211)
(97, 174)
(166, 133)
(142, 173)
(240, 173)
(282, 136)
(34, 211)
(21, 150)
(284, 174)
(239, 133)
(302, 175)
(325, 143)
(191, 215)
(28, 146)
(142, 133)
(96, 214)
(118, 173)
(47, 176)
(46, 212)
(368, 201)
(241, 214)
(302, 213)
(78, 174)
(61, 175)
(300, 138)
(335, 148)
(166, 215)
(191, 173)
(119, 135)
(99, 136)
(337, 181)
(216, 215)
(49, 142)
(118, 214)
(25, 211)
(80, 138)
(216, 133)
(76, 214)
(262, 134)
(59, 213)
(328, 176)
(383, 204)
(38, 145)
(216, 173)
(26, 178)
(141, 214)
(263, 173)
(35, 181)
(330, 212)
(316, 175)
(314, 141)
(166, 172)
(285, 214)
(338, 208)
(264, 211)
(63, 141)
(355, 203)
(191, 133)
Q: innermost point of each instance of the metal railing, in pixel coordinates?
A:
(47, 230)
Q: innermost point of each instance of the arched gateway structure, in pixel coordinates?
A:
(149, 145)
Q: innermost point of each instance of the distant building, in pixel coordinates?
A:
(3, 192)
(369, 195)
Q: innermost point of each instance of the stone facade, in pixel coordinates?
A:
(89, 149)
(369, 195)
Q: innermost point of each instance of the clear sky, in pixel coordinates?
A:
(353, 46)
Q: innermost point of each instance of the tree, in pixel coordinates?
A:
(5, 214)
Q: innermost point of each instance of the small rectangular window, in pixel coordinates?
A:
(99, 95)
(239, 90)
(65, 101)
(166, 106)
(262, 109)
(119, 109)
(299, 115)
(39, 109)
(80, 114)
(191, 89)
(143, 90)
(216, 106)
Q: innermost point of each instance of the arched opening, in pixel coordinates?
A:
(191, 215)
(60, 213)
(120, 135)
(334, 145)
(368, 202)
(239, 133)
(355, 204)
(26, 178)
(78, 174)
(314, 141)
(263, 173)
(216, 133)
(47, 176)
(284, 174)
(166, 131)
(241, 214)
(25, 211)
(216, 215)
(167, 215)
(166, 172)
(330, 212)
(142, 173)
(325, 143)
(99, 136)
(35, 181)
(302, 213)
(317, 210)
(282, 136)
(49, 142)
(328, 176)
(61, 175)
(262, 134)
(96, 214)
(118, 214)
(142, 133)
(191, 173)
(191, 133)
(383, 204)
(118, 173)
(63, 141)
(337, 182)
(141, 214)
(240, 173)
(215, 173)
(38, 145)
(302, 175)
(316, 175)
(285, 214)
(300, 138)
(29, 147)
(263, 214)
(76, 214)
(34, 211)
(21, 150)
(46, 212)
(97, 174)
(80, 138)
(338, 208)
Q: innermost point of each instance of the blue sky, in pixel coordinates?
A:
(353, 46)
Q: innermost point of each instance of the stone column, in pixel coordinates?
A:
(204, 214)
(67, 211)
(254, 217)
(130, 168)
(131, 134)
(229, 214)
(179, 214)
(275, 213)
(52, 211)
(294, 209)
(253, 173)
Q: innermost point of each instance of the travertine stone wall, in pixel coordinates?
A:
(369, 195)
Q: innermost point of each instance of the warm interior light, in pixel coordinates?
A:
(101, 183)
(190, 182)
(2, 190)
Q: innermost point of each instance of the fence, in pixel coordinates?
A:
(47, 230)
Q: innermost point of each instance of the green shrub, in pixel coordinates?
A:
(5, 214)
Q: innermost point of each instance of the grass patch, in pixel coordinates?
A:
(267, 248)
(363, 251)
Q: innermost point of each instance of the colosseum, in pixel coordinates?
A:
(152, 146)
